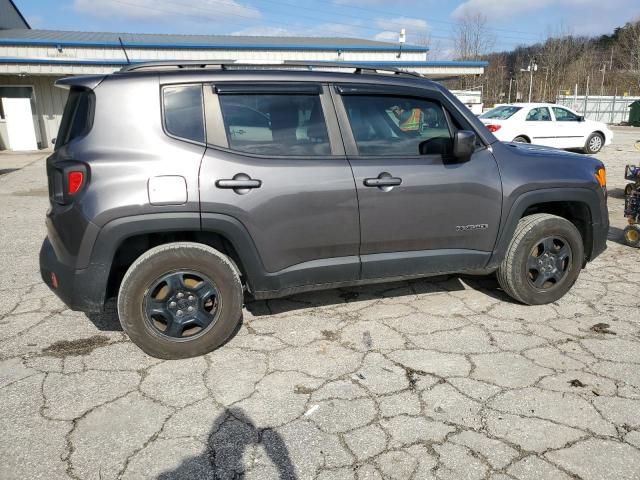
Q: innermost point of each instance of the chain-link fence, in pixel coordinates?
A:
(608, 109)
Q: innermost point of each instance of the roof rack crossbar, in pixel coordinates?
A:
(227, 64)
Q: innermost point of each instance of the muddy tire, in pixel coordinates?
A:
(543, 260)
(180, 300)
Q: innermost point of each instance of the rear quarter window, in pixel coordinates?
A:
(183, 114)
(77, 118)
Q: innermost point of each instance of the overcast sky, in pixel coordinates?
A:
(512, 22)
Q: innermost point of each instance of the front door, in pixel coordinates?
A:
(570, 130)
(419, 213)
(276, 165)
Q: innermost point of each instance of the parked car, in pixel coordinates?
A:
(546, 124)
(338, 179)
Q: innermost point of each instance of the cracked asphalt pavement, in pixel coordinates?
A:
(437, 378)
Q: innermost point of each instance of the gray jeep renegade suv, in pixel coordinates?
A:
(177, 187)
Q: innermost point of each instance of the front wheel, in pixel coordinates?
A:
(543, 260)
(180, 300)
(629, 188)
(594, 144)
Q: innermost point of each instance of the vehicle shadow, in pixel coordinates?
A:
(232, 433)
(616, 235)
(449, 283)
(108, 319)
(616, 193)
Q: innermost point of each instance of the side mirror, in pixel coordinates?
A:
(53, 141)
(464, 144)
(580, 118)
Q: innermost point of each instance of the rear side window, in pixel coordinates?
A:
(77, 117)
(275, 124)
(183, 112)
(540, 114)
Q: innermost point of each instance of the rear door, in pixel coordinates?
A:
(275, 162)
(419, 213)
(540, 128)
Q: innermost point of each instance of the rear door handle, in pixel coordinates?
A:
(241, 183)
(383, 180)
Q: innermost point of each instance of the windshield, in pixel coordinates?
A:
(501, 113)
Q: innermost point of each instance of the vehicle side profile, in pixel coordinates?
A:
(546, 124)
(181, 188)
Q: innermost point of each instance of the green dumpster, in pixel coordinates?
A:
(634, 114)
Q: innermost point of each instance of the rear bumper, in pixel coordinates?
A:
(82, 290)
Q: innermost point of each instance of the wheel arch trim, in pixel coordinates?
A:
(528, 199)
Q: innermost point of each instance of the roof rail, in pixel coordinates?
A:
(231, 64)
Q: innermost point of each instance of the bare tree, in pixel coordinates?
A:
(472, 36)
(629, 51)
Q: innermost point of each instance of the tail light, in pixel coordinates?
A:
(493, 128)
(75, 180)
(66, 180)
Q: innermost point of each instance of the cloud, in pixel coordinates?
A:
(499, 9)
(167, 10)
(321, 30)
(366, 3)
(417, 29)
(411, 24)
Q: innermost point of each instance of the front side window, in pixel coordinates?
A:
(540, 114)
(501, 113)
(275, 124)
(563, 115)
(398, 126)
(183, 112)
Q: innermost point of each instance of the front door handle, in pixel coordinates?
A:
(384, 181)
(241, 183)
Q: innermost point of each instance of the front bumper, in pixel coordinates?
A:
(82, 290)
(600, 235)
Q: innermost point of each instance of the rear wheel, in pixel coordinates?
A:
(521, 139)
(632, 235)
(594, 144)
(180, 300)
(543, 260)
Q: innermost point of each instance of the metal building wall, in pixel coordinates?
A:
(49, 105)
(607, 109)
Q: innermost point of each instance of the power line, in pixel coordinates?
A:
(249, 17)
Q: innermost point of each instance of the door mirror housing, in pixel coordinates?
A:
(464, 144)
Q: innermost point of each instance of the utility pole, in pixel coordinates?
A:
(510, 82)
(533, 67)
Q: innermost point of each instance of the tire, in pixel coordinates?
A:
(525, 267)
(594, 143)
(175, 279)
(628, 189)
(521, 139)
(632, 235)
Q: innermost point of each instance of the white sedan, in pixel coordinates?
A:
(546, 124)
